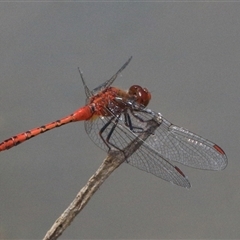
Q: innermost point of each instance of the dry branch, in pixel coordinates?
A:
(113, 160)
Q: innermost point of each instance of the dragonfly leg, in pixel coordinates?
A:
(133, 111)
(111, 132)
(103, 129)
(128, 123)
(107, 140)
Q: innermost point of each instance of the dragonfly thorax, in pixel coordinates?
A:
(105, 102)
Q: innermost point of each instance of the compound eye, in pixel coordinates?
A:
(142, 95)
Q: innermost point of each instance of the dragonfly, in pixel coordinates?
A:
(115, 117)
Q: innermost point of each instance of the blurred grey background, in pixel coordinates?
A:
(186, 54)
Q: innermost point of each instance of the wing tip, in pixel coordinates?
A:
(186, 183)
(223, 155)
(219, 149)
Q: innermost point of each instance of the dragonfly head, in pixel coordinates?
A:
(140, 95)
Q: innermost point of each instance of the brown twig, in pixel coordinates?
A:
(113, 161)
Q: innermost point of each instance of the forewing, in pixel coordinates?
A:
(180, 145)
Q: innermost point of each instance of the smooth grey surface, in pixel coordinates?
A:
(186, 54)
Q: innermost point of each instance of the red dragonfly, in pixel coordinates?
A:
(114, 118)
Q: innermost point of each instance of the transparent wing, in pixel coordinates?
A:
(148, 160)
(180, 145)
(122, 136)
(145, 158)
(110, 81)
